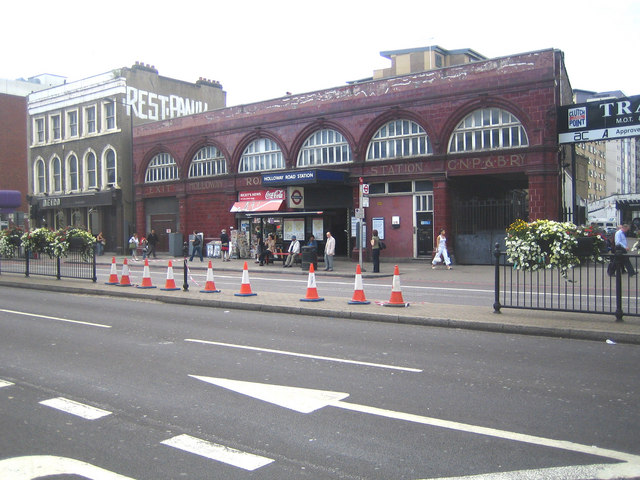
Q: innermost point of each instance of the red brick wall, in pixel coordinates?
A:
(13, 146)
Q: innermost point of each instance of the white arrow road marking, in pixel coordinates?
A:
(4, 383)
(74, 408)
(305, 355)
(220, 453)
(55, 318)
(307, 400)
(37, 466)
(590, 472)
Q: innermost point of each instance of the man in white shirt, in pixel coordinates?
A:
(294, 250)
(621, 248)
(329, 252)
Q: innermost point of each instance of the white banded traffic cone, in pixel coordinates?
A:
(210, 286)
(170, 284)
(245, 288)
(113, 275)
(396, 299)
(125, 281)
(312, 291)
(146, 276)
(358, 290)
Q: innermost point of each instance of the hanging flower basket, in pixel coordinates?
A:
(550, 244)
(10, 241)
(39, 241)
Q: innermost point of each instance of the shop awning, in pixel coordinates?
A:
(257, 206)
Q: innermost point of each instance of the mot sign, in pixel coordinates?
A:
(599, 120)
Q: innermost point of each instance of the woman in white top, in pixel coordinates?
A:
(133, 246)
(441, 251)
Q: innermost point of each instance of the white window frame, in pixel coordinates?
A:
(260, 155)
(324, 147)
(71, 177)
(489, 128)
(55, 124)
(109, 120)
(57, 177)
(162, 168)
(208, 162)
(72, 127)
(400, 138)
(39, 176)
(39, 131)
(110, 168)
(88, 171)
(90, 125)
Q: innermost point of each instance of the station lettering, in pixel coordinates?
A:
(500, 161)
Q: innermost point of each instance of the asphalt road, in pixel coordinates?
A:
(178, 385)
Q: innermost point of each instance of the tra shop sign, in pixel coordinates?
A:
(599, 120)
(261, 195)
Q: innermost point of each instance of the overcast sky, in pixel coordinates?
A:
(261, 49)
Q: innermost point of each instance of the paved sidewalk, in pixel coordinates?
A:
(529, 322)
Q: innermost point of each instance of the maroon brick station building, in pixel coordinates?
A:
(468, 148)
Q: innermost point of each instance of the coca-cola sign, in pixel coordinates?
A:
(262, 195)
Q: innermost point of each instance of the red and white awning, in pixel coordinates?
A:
(257, 206)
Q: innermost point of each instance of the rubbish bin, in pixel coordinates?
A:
(309, 255)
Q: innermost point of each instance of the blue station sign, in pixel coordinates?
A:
(299, 177)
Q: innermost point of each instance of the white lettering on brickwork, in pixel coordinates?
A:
(151, 106)
(499, 161)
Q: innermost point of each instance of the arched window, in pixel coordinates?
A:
(110, 168)
(262, 154)
(162, 168)
(207, 162)
(41, 176)
(488, 129)
(91, 169)
(72, 173)
(56, 175)
(399, 139)
(324, 147)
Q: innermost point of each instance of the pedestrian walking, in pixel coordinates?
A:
(329, 252)
(621, 249)
(152, 241)
(224, 246)
(441, 251)
(133, 246)
(196, 246)
(375, 251)
(100, 243)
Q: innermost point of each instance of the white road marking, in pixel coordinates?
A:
(4, 383)
(79, 409)
(308, 400)
(220, 453)
(591, 472)
(305, 355)
(38, 466)
(26, 314)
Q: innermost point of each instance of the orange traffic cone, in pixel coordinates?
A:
(396, 293)
(245, 288)
(170, 283)
(125, 281)
(210, 286)
(358, 291)
(146, 276)
(312, 291)
(113, 276)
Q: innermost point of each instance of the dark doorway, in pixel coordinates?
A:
(424, 222)
(164, 224)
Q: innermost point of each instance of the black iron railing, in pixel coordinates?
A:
(588, 288)
(74, 265)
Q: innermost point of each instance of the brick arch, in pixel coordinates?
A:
(193, 149)
(148, 156)
(392, 114)
(257, 134)
(320, 124)
(484, 101)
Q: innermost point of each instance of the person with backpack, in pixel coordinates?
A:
(196, 245)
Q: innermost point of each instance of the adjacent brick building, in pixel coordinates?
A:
(468, 148)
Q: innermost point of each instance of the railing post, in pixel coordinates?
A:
(185, 285)
(618, 263)
(95, 270)
(496, 302)
(27, 256)
(58, 269)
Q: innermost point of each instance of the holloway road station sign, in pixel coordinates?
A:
(599, 120)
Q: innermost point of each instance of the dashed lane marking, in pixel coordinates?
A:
(26, 314)
(75, 408)
(4, 383)
(220, 453)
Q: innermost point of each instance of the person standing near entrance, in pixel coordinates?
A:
(152, 241)
(375, 251)
(441, 251)
(197, 246)
(133, 246)
(224, 245)
(329, 252)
